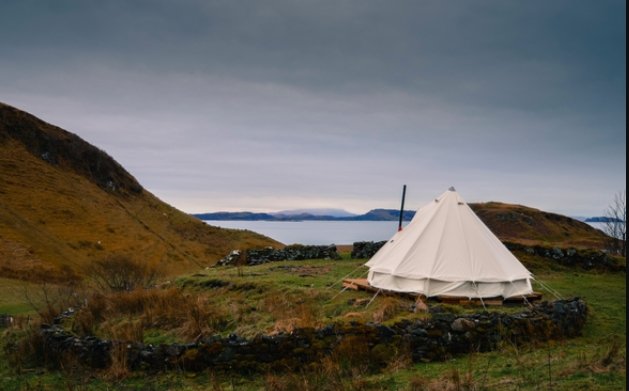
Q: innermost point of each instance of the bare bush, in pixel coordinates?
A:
(51, 301)
(616, 223)
(121, 273)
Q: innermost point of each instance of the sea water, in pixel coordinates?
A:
(316, 232)
(321, 232)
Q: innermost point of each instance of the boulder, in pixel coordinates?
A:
(463, 324)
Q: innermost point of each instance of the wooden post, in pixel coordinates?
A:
(420, 304)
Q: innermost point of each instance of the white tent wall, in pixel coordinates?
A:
(446, 250)
(432, 288)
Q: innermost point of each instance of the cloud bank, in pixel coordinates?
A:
(232, 105)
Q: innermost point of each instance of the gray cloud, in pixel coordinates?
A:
(269, 105)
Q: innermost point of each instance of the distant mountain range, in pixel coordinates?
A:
(309, 215)
(335, 215)
(315, 212)
(602, 219)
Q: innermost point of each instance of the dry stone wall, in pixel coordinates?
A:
(295, 252)
(366, 250)
(585, 258)
(443, 336)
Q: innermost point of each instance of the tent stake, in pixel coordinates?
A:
(479, 296)
(523, 297)
(341, 291)
(373, 298)
(549, 289)
(344, 277)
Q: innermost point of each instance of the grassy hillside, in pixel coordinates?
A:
(521, 224)
(64, 203)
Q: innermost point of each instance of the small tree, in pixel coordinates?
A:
(121, 273)
(616, 223)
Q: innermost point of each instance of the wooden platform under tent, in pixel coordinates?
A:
(362, 284)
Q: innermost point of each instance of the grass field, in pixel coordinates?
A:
(279, 296)
(18, 297)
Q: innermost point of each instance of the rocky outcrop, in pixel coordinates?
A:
(61, 148)
(6, 320)
(443, 336)
(295, 252)
(89, 351)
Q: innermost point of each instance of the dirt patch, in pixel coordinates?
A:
(303, 271)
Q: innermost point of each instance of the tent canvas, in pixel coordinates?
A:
(446, 250)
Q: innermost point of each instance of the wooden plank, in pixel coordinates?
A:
(363, 284)
(531, 298)
(358, 284)
(458, 300)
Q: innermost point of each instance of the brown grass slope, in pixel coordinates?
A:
(529, 226)
(64, 203)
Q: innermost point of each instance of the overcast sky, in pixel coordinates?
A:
(279, 104)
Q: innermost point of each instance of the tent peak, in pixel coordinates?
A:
(451, 188)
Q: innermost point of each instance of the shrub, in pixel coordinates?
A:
(190, 315)
(388, 308)
(121, 273)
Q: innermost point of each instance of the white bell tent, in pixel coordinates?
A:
(446, 250)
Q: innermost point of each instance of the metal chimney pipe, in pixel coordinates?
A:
(399, 228)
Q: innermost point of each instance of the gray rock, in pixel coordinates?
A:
(6, 320)
(462, 324)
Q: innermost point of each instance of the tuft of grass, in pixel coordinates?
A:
(126, 315)
(389, 307)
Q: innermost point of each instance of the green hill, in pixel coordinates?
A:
(529, 226)
(64, 203)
